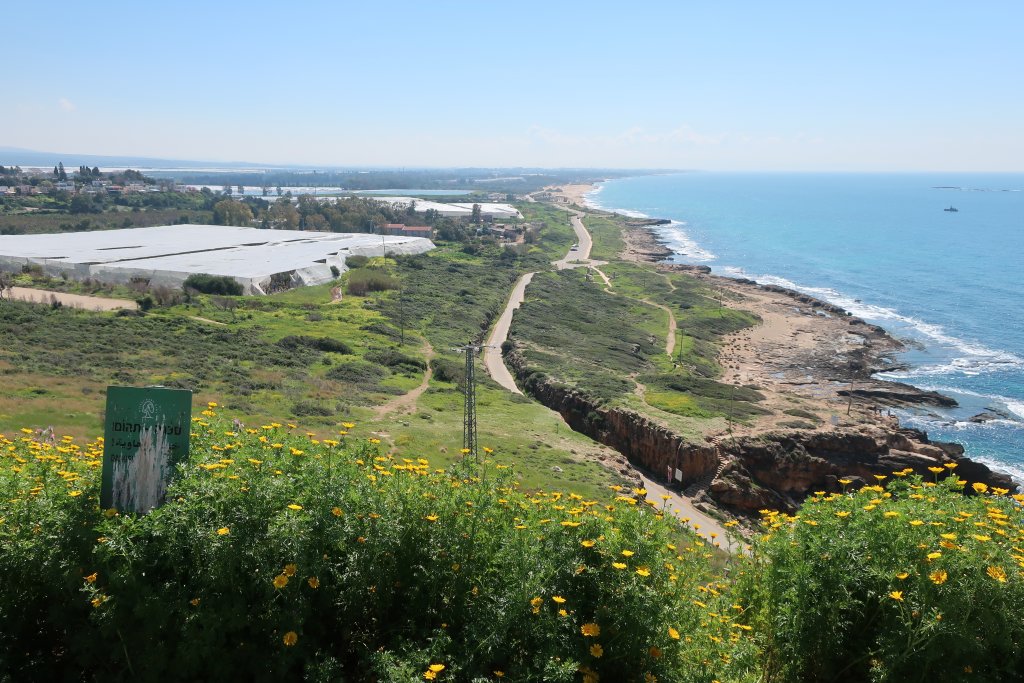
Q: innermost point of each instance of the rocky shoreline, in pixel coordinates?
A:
(830, 417)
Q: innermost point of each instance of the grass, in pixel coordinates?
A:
(447, 297)
(606, 234)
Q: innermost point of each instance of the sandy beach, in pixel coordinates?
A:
(574, 194)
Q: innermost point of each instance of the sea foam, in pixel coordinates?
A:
(975, 358)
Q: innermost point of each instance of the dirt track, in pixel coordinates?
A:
(89, 303)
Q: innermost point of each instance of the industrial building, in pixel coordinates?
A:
(166, 255)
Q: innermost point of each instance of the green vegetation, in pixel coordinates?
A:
(910, 582)
(279, 556)
(609, 344)
(300, 355)
(572, 330)
(213, 284)
(363, 280)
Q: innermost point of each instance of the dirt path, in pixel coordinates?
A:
(406, 403)
(607, 280)
(670, 338)
(206, 320)
(89, 303)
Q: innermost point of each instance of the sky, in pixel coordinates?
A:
(743, 85)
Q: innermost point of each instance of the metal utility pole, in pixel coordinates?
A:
(469, 438)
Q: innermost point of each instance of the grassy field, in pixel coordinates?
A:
(611, 344)
(266, 359)
(304, 356)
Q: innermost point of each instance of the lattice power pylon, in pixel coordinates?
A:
(469, 439)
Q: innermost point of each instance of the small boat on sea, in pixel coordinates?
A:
(952, 209)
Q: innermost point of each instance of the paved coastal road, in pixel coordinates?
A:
(580, 256)
(493, 361)
(705, 526)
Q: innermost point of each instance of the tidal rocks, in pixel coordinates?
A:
(785, 467)
(898, 394)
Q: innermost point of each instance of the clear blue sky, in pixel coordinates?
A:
(895, 85)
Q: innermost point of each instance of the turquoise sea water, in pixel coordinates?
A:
(951, 284)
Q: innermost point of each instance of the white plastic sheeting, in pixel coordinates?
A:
(456, 210)
(166, 255)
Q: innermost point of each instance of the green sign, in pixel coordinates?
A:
(146, 435)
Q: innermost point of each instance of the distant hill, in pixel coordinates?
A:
(18, 156)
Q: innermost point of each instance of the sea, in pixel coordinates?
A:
(950, 284)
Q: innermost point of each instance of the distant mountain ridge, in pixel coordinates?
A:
(18, 156)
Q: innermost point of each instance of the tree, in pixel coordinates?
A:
(81, 203)
(230, 212)
(477, 214)
(61, 173)
(283, 215)
(96, 171)
(55, 173)
(315, 222)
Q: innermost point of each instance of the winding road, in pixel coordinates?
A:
(710, 529)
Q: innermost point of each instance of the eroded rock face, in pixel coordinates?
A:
(779, 469)
(775, 470)
(645, 443)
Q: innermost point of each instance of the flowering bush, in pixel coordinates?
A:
(911, 581)
(282, 556)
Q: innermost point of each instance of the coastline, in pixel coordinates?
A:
(814, 361)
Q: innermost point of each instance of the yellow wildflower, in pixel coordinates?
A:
(997, 573)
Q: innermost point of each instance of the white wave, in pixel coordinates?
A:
(676, 238)
(976, 359)
(672, 234)
(1012, 405)
(1015, 407)
(590, 200)
(1016, 472)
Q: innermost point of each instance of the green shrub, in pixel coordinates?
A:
(213, 284)
(357, 372)
(307, 408)
(361, 281)
(277, 557)
(319, 343)
(396, 359)
(448, 370)
(912, 582)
